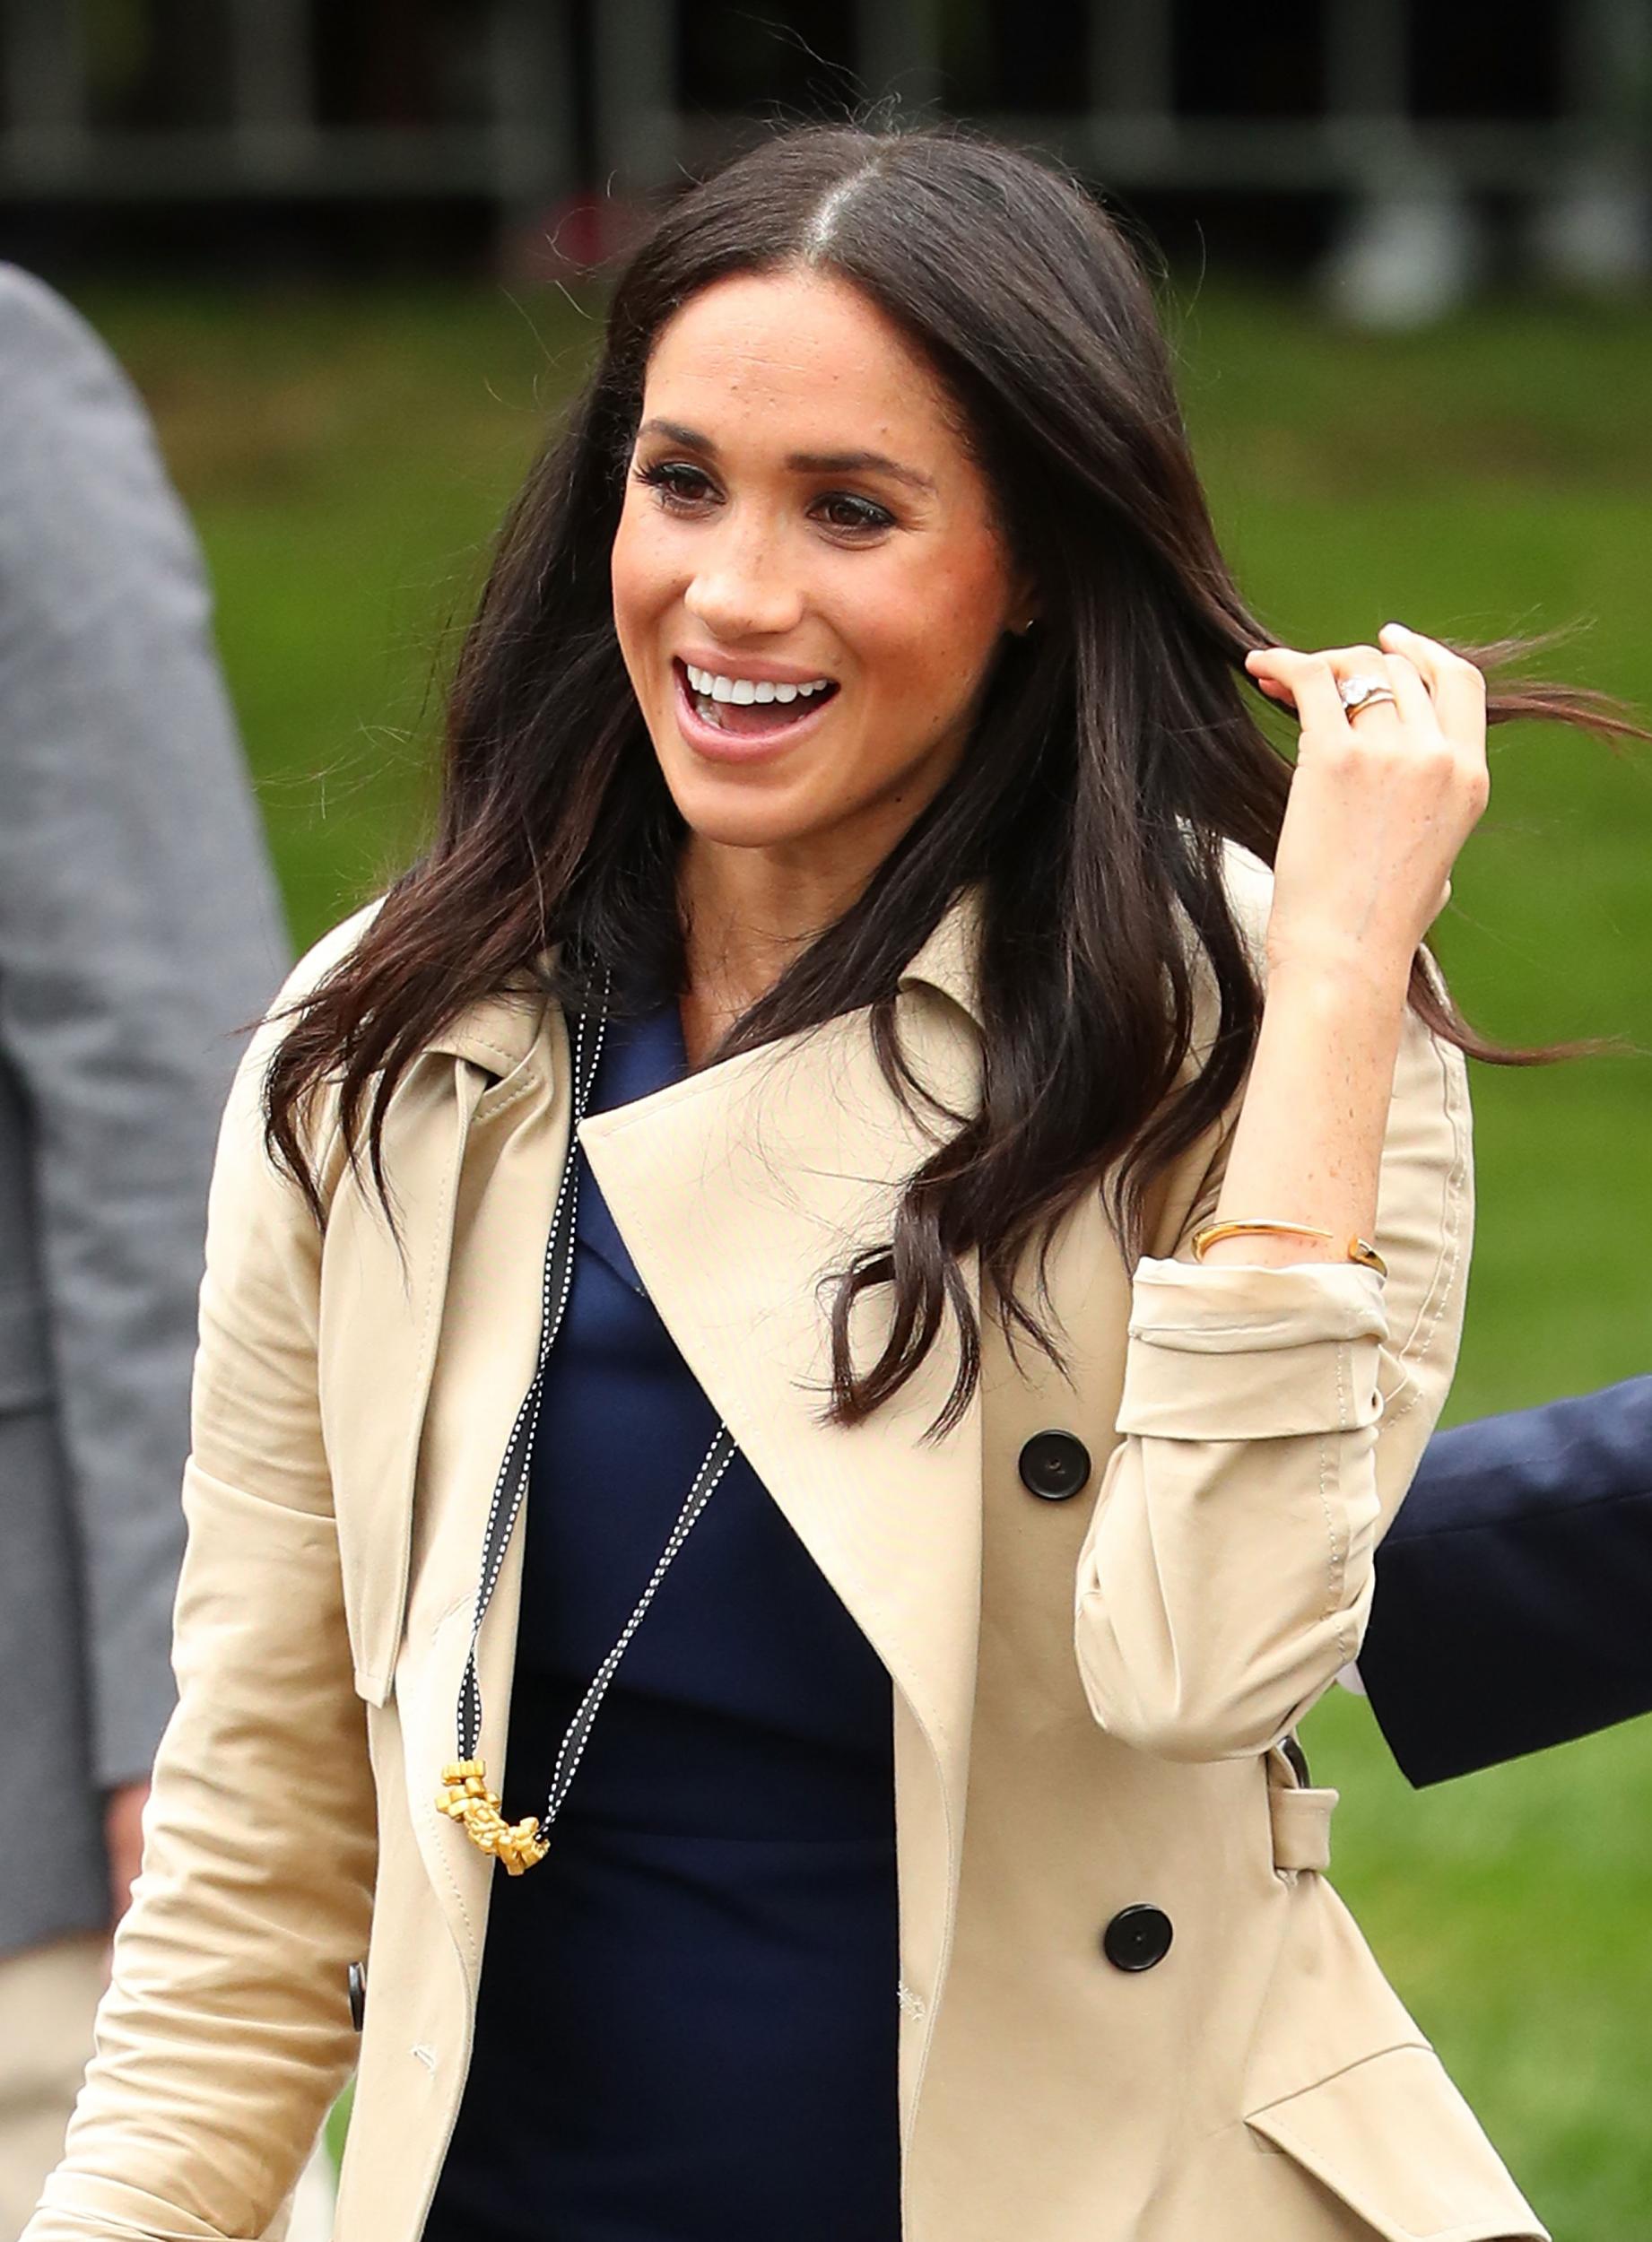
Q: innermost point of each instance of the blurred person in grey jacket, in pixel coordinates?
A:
(139, 929)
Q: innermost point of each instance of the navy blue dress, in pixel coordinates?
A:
(688, 2017)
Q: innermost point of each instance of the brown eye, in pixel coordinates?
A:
(844, 510)
(678, 485)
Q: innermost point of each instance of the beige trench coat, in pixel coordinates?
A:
(1090, 1695)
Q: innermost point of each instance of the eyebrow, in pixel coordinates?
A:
(808, 463)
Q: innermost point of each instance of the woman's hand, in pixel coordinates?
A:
(1380, 804)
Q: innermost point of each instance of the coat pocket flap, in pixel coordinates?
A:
(1392, 2139)
(1301, 1827)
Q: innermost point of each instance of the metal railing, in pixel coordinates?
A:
(597, 98)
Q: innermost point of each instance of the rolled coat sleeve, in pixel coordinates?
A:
(225, 2033)
(1271, 1423)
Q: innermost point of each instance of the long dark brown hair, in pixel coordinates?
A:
(1117, 749)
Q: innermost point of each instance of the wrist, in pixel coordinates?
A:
(1371, 979)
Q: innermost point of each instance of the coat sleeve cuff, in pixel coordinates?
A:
(1222, 1352)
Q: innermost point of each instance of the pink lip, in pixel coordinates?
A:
(739, 747)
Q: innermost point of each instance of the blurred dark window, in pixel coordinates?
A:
(400, 61)
(157, 63)
(1029, 56)
(1481, 58)
(1249, 62)
(799, 56)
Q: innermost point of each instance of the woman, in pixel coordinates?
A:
(855, 810)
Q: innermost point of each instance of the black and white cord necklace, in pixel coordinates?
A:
(465, 1795)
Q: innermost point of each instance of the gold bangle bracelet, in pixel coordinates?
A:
(1356, 1249)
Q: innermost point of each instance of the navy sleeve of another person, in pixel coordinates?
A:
(1514, 1591)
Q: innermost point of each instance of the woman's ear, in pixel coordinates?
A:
(1024, 608)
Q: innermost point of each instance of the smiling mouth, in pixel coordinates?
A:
(750, 707)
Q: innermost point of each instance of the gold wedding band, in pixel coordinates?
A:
(1364, 691)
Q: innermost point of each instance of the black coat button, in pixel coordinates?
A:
(1054, 1466)
(1138, 1937)
(357, 1995)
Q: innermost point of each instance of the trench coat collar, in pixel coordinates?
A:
(949, 960)
(498, 1033)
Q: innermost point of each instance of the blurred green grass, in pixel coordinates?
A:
(347, 458)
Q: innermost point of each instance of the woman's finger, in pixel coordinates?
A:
(1310, 681)
(1259, 662)
(1456, 688)
(1410, 693)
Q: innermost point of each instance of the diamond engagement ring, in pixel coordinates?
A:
(1364, 691)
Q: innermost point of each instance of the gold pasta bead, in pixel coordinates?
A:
(466, 1798)
(522, 1847)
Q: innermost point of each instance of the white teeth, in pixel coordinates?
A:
(743, 690)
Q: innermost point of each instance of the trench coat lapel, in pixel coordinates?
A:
(384, 1300)
(738, 1191)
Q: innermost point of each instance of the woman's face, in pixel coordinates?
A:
(808, 585)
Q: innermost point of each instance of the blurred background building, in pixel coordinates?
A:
(1407, 151)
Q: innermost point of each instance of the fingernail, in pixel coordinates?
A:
(1395, 626)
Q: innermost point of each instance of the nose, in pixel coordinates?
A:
(741, 588)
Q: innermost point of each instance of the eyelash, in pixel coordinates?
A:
(668, 477)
